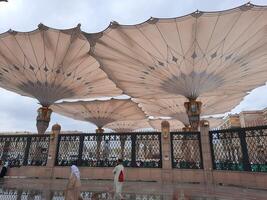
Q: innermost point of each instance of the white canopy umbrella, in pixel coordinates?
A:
(128, 126)
(174, 107)
(100, 112)
(49, 65)
(202, 54)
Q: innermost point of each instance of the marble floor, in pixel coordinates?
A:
(46, 189)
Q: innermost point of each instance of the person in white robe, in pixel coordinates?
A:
(72, 191)
(119, 178)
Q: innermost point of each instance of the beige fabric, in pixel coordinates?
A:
(202, 54)
(220, 104)
(49, 65)
(100, 112)
(128, 126)
(72, 191)
(174, 107)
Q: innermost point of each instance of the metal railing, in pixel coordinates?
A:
(240, 149)
(186, 150)
(27, 150)
(103, 150)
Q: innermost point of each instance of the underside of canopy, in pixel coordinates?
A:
(50, 64)
(201, 54)
(100, 112)
(174, 107)
(128, 126)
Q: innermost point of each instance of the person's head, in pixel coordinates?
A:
(75, 171)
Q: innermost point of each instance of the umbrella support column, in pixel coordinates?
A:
(43, 119)
(193, 110)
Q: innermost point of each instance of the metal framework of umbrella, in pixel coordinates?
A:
(202, 54)
(48, 65)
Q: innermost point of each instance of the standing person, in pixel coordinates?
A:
(4, 170)
(119, 177)
(74, 185)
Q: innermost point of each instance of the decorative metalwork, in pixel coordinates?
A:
(103, 150)
(148, 150)
(186, 150)
(24, 150)
(68, 150)
(240, 149)
(12, 149)
(38, 151)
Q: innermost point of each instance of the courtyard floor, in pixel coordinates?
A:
(46, 189)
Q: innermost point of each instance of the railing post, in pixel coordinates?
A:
(53, 148)
(79, 162)
(206, 151)
(243, 143)
(52, 151)
(27, 150)
(166, 175)
(133, 152)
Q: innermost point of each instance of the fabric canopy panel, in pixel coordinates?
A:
(100, 112)
(128, 126)
(219, 105)
(201, 54)
(175, 125)
(49, 64)
(174, 107)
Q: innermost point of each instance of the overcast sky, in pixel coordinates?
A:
(18, 113)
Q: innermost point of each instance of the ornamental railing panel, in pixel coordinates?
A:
(240, 149)
(38, 151)
(24, 150)
(68, 150)
(148, 150)
(103, 150)
(186, 150)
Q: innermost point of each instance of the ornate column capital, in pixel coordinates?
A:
(193, 110)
